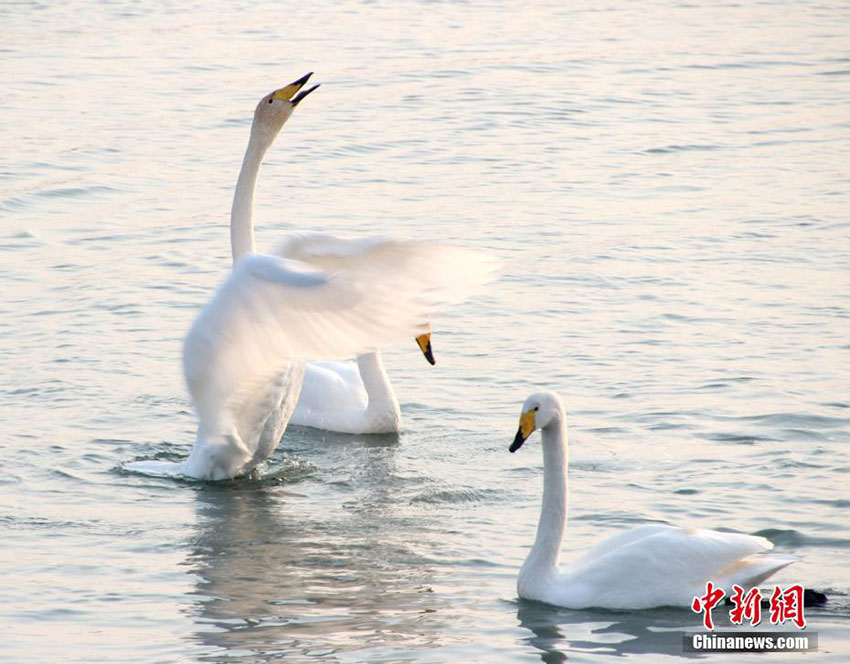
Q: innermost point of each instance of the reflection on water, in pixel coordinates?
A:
(652, 632)
(277, 576)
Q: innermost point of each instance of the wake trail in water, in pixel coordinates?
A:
(156, 468)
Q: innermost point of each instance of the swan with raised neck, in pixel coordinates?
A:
(381, 413)
(269, 118)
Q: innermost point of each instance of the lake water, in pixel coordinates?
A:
(667, 186)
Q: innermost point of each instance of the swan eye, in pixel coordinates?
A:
(536, 408)
(271, 100)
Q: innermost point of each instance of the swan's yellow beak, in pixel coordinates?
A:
(526, 428)
(424, 341)
(285, 93)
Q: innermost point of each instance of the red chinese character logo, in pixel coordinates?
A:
(745, 606)
(707, 602)
(787, 605)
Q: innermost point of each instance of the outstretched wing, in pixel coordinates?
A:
(449, 272)
(271, 310)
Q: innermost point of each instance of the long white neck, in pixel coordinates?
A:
(542, 560)
(242, 211)
(383, 404)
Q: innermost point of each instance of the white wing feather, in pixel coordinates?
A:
(451, 273)
(272, 310)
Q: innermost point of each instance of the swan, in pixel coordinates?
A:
(648, 566)
(245, 354)
(352, 397)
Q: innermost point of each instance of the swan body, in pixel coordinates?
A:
(348, 397)
(327, 381)
(648, 566)
(245, 356)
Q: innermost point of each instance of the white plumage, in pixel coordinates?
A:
(357, 397)
(244, 357)
(348, 397)
(648, 566)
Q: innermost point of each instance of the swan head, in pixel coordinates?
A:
(275, 108)
(538, 412)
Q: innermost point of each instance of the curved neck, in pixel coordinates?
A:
(242, 211)
(382, 399)
(543, 557)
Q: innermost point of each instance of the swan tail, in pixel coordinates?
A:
(753, 570)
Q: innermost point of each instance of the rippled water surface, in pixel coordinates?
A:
(666, 184)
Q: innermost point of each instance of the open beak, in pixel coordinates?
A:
(286, 93)
(526, 428)
(424, 341)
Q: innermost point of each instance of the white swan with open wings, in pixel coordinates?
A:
(244, 357)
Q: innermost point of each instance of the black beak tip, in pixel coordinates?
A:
(303, 79)
(297, 98)
(518, 441)
(430, 356)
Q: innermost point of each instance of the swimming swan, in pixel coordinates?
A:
(245, 354)
(648, 566)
